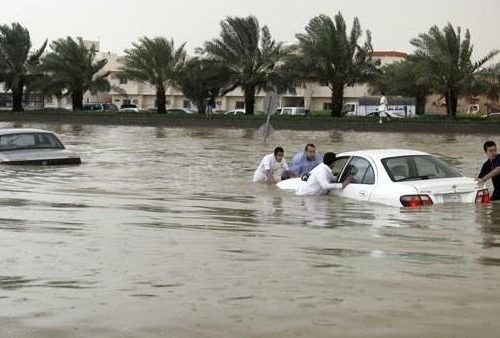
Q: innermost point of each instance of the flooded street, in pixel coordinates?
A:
(161, 233)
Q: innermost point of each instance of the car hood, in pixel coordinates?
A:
(36, 154)
(443, 185)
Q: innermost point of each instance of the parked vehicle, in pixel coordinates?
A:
(404, 178)
(238, 111)
(369, 106)
(391, 114)
(181, 111)
(291, 111)
(96, 106)
(127, 107)
(34, 146)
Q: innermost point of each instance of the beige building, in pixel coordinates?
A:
(310, 95)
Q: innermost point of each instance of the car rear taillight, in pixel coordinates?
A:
(483, 196)
(413, 201)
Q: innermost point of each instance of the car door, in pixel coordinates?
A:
(362, 175)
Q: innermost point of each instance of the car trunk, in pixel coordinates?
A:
(40, 156)
(443, 186)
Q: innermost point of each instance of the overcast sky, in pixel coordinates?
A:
(117, 23)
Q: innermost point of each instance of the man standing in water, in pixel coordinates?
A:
(305, 161)
(271, 168)
(321, 179)
(382, 109)
(491, 169)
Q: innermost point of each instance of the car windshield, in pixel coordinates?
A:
(417, 167)
(29, 141)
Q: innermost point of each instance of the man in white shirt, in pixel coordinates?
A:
(271, 167)
(321, 179)
(382, 109)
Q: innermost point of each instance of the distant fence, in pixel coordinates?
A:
(33, 101)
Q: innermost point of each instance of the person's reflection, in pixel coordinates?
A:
(278, 205)
(488, 220)
(160, 132)
(248, 134)
(319, 211)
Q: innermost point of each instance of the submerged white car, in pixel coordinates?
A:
(398, 177)
(34, 146)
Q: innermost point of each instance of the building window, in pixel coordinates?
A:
(186, 104)
(126, 101)
(327, 106)
(323, 84)
(48, 99)
(123, 80)
(240, 105)
(118, 100)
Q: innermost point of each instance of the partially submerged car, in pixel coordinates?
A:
(34, 146)
(404, 178)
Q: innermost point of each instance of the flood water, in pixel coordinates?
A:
(161, 233)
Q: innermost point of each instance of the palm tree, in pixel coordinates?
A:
(72, 69)
(157, 62)
(202, 80)
(488, 82)
(446, 56)
(406, 78)
(329, 55)
(251, 56)
(18, 64)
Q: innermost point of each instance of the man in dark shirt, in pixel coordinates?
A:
(491, 169)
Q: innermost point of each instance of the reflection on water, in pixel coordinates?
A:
(161, 230)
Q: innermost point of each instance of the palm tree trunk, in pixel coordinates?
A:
(420, 105)
(17, 96)
(249, 99)
(337, 99)
(161, 100)
(451, 103)
(202, 106)
(77, 100)
(454, 104)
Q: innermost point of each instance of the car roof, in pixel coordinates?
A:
(10, 131)
(378, 154)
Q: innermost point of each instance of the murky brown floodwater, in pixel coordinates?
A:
(160, 233)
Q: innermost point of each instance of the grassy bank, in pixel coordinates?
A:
(314, 121)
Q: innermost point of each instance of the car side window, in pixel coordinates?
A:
(339, 165)
(360, 171)
(369, 175)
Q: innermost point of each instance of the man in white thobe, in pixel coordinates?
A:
(271, 168)
(321, 179)
(382, 109)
